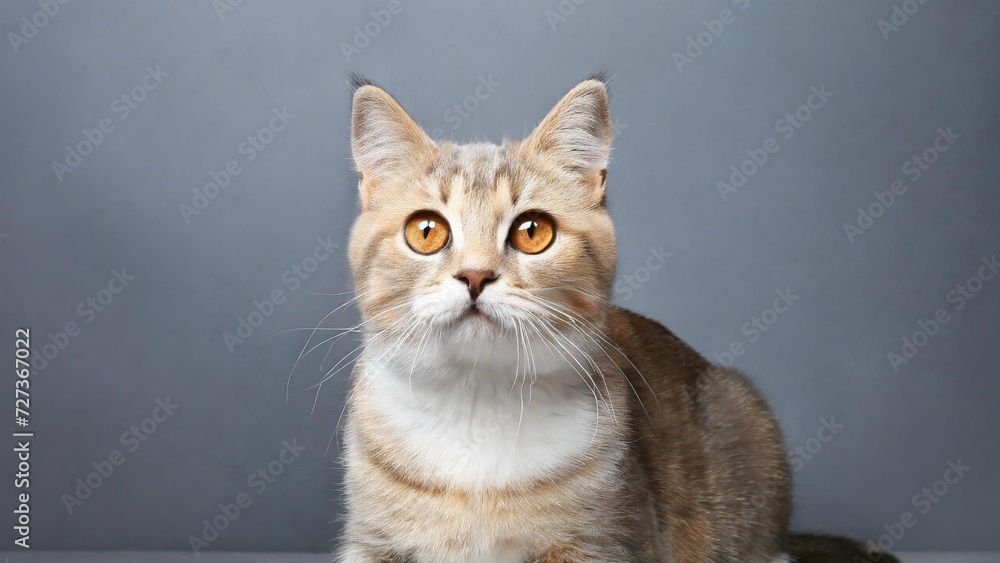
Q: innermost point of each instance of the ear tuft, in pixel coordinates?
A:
(603, 76)
(357, 80)
(576, 134)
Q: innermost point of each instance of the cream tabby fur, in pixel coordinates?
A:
(523, 418)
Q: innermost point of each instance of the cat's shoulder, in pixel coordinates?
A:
(648, 337)
(626, 324)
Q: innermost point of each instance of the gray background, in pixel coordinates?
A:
(679, 130)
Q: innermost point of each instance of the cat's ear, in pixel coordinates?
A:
(576, 134)
(385, 141)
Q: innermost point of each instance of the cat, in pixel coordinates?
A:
(503, 410)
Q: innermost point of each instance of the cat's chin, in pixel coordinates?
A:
(474, 324)
(474, 313)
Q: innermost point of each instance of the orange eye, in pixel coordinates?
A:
(426, 232)
(532, 232)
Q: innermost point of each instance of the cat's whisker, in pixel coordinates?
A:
(319, 326)
(413, 366)
(587, 329)
(399, 342)
(356, 329)
(336, 367)
(529, 370)
(340, 421)
(352, 391)
(517, 366)
(597, 369)
(517, 335)
(578, 367)
(578, 288)
(591, 386)
(534, 365)
(531, 324)
(288, 383)
(315, 400)
(319, 386)
(317, 329)
(595, 330)
(360, 326)
(313, 333)
(330, 340)
(328, 294)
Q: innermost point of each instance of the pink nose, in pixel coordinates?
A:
(476, 280)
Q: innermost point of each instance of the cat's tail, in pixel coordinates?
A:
(809, 548)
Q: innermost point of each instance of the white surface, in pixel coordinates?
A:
(950, 557)
(175, 557)
(160, 557)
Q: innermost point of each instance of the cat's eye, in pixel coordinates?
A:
(532, 232)
(426, 232)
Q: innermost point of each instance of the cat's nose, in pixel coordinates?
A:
(476, 280)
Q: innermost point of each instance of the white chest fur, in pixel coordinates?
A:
(475, 425)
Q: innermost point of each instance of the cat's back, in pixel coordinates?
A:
(710, 439)
(690, 393)
(647, 345)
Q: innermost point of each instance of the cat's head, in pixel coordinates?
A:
(478, 240)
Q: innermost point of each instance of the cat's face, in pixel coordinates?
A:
(476, 241)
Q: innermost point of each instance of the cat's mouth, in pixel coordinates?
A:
(473, 320)
(475, 313)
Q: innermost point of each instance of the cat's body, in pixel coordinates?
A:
(503, 410)
(461, 463)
